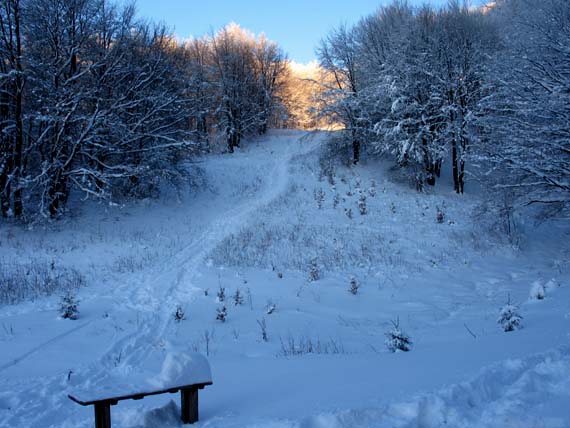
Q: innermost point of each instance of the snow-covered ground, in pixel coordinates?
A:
(255, 225)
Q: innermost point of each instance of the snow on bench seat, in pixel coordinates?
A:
(186, 373)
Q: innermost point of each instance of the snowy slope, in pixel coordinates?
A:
(255, 226)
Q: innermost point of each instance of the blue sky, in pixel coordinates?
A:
(297, 25)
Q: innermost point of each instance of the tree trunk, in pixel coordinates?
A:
(355, 148)
(455, 166)
(461, 178)
(19, 137)
(58, 193)
(6, 160)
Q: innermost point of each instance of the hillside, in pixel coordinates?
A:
(285, 222)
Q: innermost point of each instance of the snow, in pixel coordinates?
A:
(178, 369)
(254, 225)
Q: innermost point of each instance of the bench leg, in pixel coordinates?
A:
(189, 405)
(102, 415)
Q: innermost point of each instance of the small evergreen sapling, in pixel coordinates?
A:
(336, 200)
(221, 294)
(222, 314)
(396, 339)
(319, 196)
(439, 216)
(509, 317)
(362, 204)
(314, 271)
(354, 285)
(68, 306)
(238, 298)
(372, 189)
(179, 315)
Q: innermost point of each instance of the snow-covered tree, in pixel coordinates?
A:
(396, 339)
(509, 317)
(528, 120)
(69, 306)
(338, 57)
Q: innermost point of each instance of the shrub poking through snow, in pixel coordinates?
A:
(314, 271)
(509, 317)
(263, 326)
(336, 200)
(354, 285)
(362, 204)
(222, 314)
(330, 171)
(179, 315)
(396, 339)
(270, 307)
(221, 294)
(537, 291)
(68, 306)
(372, 189)
(238, 298)
(439, 216)
(319, 196)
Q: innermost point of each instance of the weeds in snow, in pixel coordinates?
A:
(19, 282)
(306, 345)
(263, 326)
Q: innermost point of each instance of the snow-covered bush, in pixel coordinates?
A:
(537, 291)
(396, 339)
(69, 306)
(179, 315)
(509, 317)
(222, 314)
(552, 285)
(314, 271)
(354, 285)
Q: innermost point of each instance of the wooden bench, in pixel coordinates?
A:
(103, 400)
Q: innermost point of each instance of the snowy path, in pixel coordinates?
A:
(153, 296)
